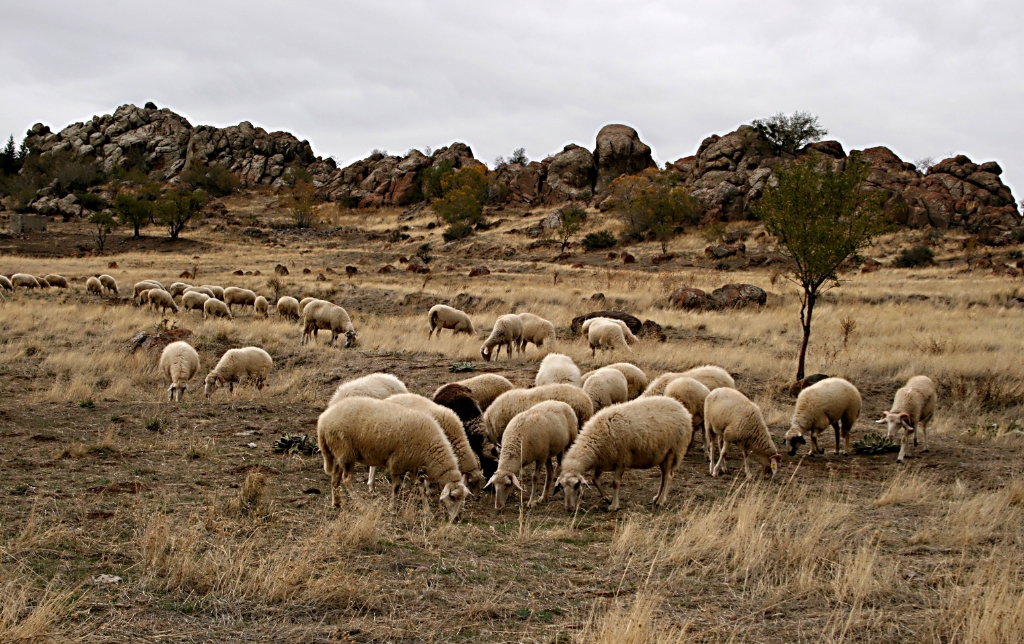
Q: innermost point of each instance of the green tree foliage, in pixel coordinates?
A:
(212, 178)
(652, 203)
(571, 219)
(62, 170)
(434, 176)
(133, 210)
(104, 224)
(917, 255)
(787, 134)
(820, 215)
(462, 204)
(177, 208)
(301, 201)
(10, 160)
(599, 240)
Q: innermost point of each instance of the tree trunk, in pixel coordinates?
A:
(806, 311)
(137, 235)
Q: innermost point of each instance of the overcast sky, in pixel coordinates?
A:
(924, 78)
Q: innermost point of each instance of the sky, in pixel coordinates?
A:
(926, 79)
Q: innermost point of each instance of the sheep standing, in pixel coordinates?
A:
(109, 283)
(538, 435)
(626, 333)
(216, 308)
(653, 431)
(912, 407)
(832, 401)
(501, 412)
(305, 301)
(329, 317)
(144, 285)
(374, 385)
(237, 364)
(605, 334)
(24, 280)
(93, 285)
(487, 387)
(43, 283)
(507, 332)
(536, 330)
(56, 280)
(711, 376)
(179, 363)
(261, 306)
(162, 299)
(442, 317)
(692, 394)
(5, 283)
(194, 301)
(635, 377)
(217, 291)
(606, 387)
(177, 289)
(288, 307)
(557, 368)
(241, 296)
(460, 400)
(730, 418)
(380, 433)
(199, 289)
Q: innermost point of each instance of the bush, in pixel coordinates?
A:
(433, 177)
(457, 231)
(917, 255)
(301, 200)
(599, 240)
(653, 203)
(789, 133)
(176, 209)
(91, 200)
(214, 179)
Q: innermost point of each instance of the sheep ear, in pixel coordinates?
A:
(515, 482)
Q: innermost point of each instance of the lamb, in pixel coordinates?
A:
(536, 330)
(24, 280)
(93, 285)
(647, 432)
(537, 435)
(250, 362)
(381, 433)
(194, 301)
(635, 376)
(56, 280)
(179, 363)
(730, 418)
(692, 394)
(557, 367)
(626, 333)
(42, 281)
(261, 306)
(218, 291)
(606, 387)
(109, 283)
(205, 290)
(460, 400)
(242, 296)
(288, 307)
(442, 317)
(469, 463)
(163, 299)
(486, 387)
(832, 401)
(912, 407)
(143, 296)
(507, 405)
(216, 308)
(374, 385)
(177, 289)
(329, 317)
(711, 376)
(5, 283)
(605, 334)
(507, 332)
(144, 285)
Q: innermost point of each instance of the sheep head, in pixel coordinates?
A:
(895, 421)
(453, 496)
(572, 485)
(502, 482)
(474, 481)
(213, 380)
(795, 438)
(485, 351)
(773, 463)
(350, 339)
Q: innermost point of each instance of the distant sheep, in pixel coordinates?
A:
(177, 289)
(144, 285)
(43, 283)
(460, 400)
(538, 435)
(162, 299)
(374, 385)
(109, 283)
(606, 387)
(307, 300)
(218, 291)
(58, 281)
(205, 290)
(288, 307)
(832, 401)
(730, 418)
(486, 387)
(238, 364)
(5, 283)
(24, 280)
(327, 316)
(557, 368)
(536, 330)
(261, 306)
(711, 376)
(507, 332)
(912, 408)
(626, 333)
(194, 301)
(606, 334)
(692, 394)
(442, 316)
(93, 285)
(214, 307)
(507, 405)
(241, 296)
(179, 363)
(647, 432)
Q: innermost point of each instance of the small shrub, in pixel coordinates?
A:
(91, 200)
(457, 231)
(86, 404)
(917, 255)
(461, 367)
(295, 444)
(154, 424)
(599, 240)
(214, 179)
(424, 253)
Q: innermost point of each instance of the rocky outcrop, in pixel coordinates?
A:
(570, 175)
(619, 151)
(256, 156)
(728, 296)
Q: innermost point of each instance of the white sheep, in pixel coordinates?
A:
(626, 333)
(242, 296)
(555, 368)
(305, 301)
(374, 385)
(711, 376)
(635, 376)
(179, 363)
(692, 394)
(144, 285)
(469, 463)
(441, 316)
(5, 283)
(43, 283)
(653, 431)
(833, 401)
(288, 307)
(194, 301)
(24, 280)
(486, 388)
(606, 387)
(143, 296)
(912, 408)
(109, 283)
(56, 280)
(605, 334)
(507, 332)
(177, 289)
(381, 433)
(261, 306)
(217, 291)
(536, 330)
(216, 308)
(537, 435)
(730, 418)
(505, 407)
(205, 290)
(237, 364)
(328, 317)
(93, 285)
(162, 299)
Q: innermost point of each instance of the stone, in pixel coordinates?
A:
(386, 268)
(417, 265)
(253, 232)
(320, 277)
(466, 302)
(739, 295)
(570, 175)
(281, 269)
(627, 258)
(651, 329)
(351, 270)
(477, 271)
(692, 299)
(239, 272)
(20, 223)
(619, 151)
(631, 321)
(551, 222)
(661, 258)
(112, 265)
(185, 275)
(306, 271)
(726, 250)
(598, 298)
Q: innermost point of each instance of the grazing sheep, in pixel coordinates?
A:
(536, 330)
(261, 306)
(507, 405)
(216, 308)
(93, 285)
(250, 362)
(832, 401)
(56, 280)
(653, 431)
(179, 363)
(242, 296)
(194, 301)
(711, 376)
(730, 418)
(380, 433)
(374, 385)
(305, 301)
(606, 334)
(557, 367)
(692, 394)
(626, 333)
(109, 283)
(144, 285)
(205, 290)
(635, 376)
(606, 387)
(912, 407)
(217, 291)
(5, 283)
(460, 400)
(163, 299)
(288, 307)
(486, 387)
(537, 435)
(24, 280)
(329, 317)
(442, 317)
(507, 332)
(143, 296)
(469, 463)
(657, 386)
(42, 281)
(177, 289)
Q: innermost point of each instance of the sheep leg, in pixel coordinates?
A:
(370, 479)
(425, 489)
(835, 428)
(814, 444)
(903, 447)
(720, 465)
(616, 484)
(846, 438)
(924, 435)
(709, 449)
(341, 476)
(667, 466)
(549, 482)
(597, 484)
(533, 484)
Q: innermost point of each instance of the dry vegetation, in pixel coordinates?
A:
(215, 537)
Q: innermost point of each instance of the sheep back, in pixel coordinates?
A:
(509, 404)
(557, 368)
(374, 385)
(830, 401)
(736, 420)
(542, 431)
(711, 376)
(692, 394)
(486, 387)
(606, 387)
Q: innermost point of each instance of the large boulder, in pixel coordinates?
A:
(739, 295)
(619, 151)
(570, 175)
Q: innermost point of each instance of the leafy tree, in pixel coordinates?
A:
(10, 160)
(599, 240)
(301, 200)
(790, 133)
(133, 210)
(462, 204)
(519, 157)
(571, 219)
(212, 178)
(104, 224)
(433, 177)
(820, 215)
(177, 208)
(653, 203)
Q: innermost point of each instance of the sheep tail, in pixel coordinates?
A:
(325, 449)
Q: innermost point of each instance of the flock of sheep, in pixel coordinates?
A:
(484, 431)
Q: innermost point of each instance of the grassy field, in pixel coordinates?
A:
(215, 537)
